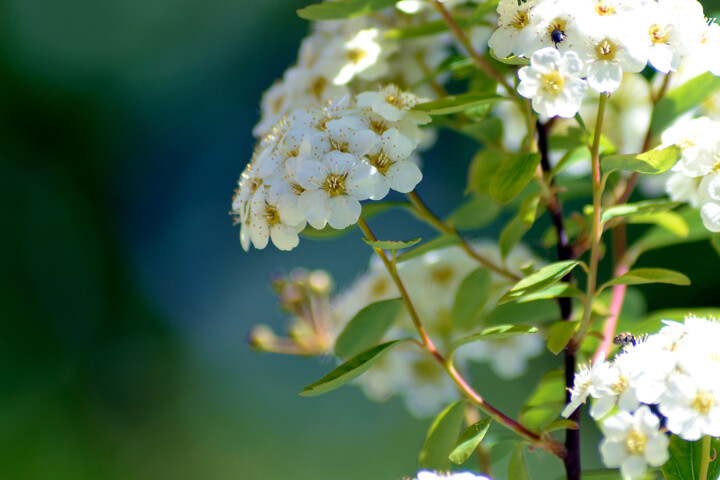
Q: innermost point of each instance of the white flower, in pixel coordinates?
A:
(275, 215)
(513, 19)
(692, 405)
(710, 213)
(553, 23)
(607, 54)
(553, 82)
(614, 385)
(390, 158)
(334, 188)
(364, 56)
(633, 442)
(586, 383)
(393, 104)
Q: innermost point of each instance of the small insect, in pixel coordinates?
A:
(626, 338)
(557, 36)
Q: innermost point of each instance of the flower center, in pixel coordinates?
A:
(520, 20)
(603, 8)
(381, 162)
(605, 50)
(276, 106)
(426, 370)
(297, 188)
(335, 184)
(379, 287)
(552, 83)
(635, 443)
(392, 96)
(442, 274)
(685, 144)
(339, 145)
(621, 385)
(356, 55)
(271, 215)
(703, 403)
(659, 34)
(556, 30)
(378, 126)
(317, 87)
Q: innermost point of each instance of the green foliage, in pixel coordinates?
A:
(457, 103)
(558, 290)
(498, 332)
(436, 243)
(471, 297)
(488, 131)
(715, 242)
(546, 402)
(339, 9)
(539, 280)
(483, 10)
(686, 458)
(349, 370)
(391, 244)
(683, 99)
(441, 438)
(514, 174)
(540, 311)
(367, 327)
(469, 441)
(640, 276)
(517, 470)
(654, 161)
(671, 221)
(520, 224)
(482, 168)
(560, 334)
(477, 212)
(639, 208)
(369, 210)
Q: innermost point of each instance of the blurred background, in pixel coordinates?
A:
(125, 297)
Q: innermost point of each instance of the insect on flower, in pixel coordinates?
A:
(557, 36)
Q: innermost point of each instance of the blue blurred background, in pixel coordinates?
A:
(125, 297)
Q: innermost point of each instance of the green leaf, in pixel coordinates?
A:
(683, 99)
(469, 440)
(562, 424)
(517, 470)
(494, 333)
(540, 311)
(640, 276)
(349, 370)
(434, 244)
(340, 9)
(559, 290)
(539, 280)
(627, 209)
(367, 327)
(512, 176)
(457, 103)
(715, 242)
(391, 244)
(560, 334)
(369, 210)
(660, 237)
(489, 132)
(511, 60)
(654, 161)
(478, 212)
(415, 31)
(686, 458)
(483, 10)
(511, 235)
(441, 438)
(673, 222)
(546, 402)
(482, 168)
(471, 297)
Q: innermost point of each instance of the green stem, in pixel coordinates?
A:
(596, 229)
(426, 214)
(705, 465)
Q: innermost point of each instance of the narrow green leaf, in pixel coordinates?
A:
(434, 244)
(441, 438)
(539, 280)
(494, 333)
(559, 290)
(673, 222)
(470, 298)
(469, 440)
(367, 327)
(511, 235)
(517, 470)
(457, 103)
(482, 168)
(391, 244)
(683, 99)
(562, 424)
(478, 212)
(369, 210)
(660, 237)
(540, 311)
(349, 370)
(640, 276)
(715, 242)
(512, 176)
(654, 161)
(647, 206)
(340, 9)
(560, 334)
(686, 457)
(546, 402)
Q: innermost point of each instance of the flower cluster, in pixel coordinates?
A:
(432, 281)
(676, 372)
(696, 177)
(319, 163)
(576, 44)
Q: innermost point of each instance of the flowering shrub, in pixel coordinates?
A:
(567, 99)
